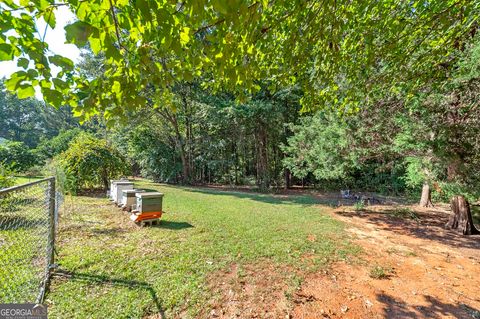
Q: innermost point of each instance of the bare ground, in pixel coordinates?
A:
(425, 272)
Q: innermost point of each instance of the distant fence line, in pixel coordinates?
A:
(28, 220)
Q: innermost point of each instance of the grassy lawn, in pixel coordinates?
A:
(19, 180)
(116, 269)
(23, 243)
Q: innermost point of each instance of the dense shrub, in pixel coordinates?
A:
(49, 148)
(89, 163)
(17, 156)
(6, 177)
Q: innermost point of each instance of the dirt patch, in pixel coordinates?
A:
(411, 268)
(429, 272)
(251, 291)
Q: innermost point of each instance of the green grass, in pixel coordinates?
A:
(380, 272)
(19, 180)
(118, 270)
(23, 243)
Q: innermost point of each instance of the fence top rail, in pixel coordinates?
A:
(17, 187)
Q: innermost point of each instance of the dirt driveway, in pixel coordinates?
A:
(412, 268)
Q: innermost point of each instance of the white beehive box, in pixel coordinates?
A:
(129, 197)
(119, 188)
(112, 193)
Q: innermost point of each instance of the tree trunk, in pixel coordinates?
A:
(288, 179)
(263, 179)
(461, 220)
(180, 144)
(426, 199)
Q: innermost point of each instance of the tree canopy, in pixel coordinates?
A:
(339, 52)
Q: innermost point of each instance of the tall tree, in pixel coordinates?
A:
(29, 121)
(331, 48)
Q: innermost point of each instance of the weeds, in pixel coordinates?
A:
(359, 206)
(405, 213)
(380, 272)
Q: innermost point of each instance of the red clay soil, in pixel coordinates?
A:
(430, 272)
(254, 291)
(425, 272)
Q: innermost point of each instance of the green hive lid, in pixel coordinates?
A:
(149, 194)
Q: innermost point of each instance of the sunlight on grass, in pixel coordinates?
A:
(19, 180)
(118, 268)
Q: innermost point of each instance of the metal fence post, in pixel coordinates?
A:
(51, 218)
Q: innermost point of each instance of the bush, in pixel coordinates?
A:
(444, 191)
(52, 147)
(6, 177)
(17, 156)
(89, 163)
(53, 167)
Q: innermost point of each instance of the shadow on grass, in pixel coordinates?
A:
(94, 192)
(434, 308)
(304, 197)
(166, 224)
(108, 231)
(119, 282)
(148, 189)
(304, 200)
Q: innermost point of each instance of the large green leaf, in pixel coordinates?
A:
(52, 96)
(78, 33)
(49, 17)
(25, 91)
(6, 52)
(63, 62)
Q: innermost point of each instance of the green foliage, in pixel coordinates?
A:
(209, 138)
(359, 206)
(30, 121)
(334, 54)
(341, 153)
(212, 76)
(156, 158)
(6, 177)
(49, 148)
(443, 128)
(401, 140)
(17, 156)
(90, 162)
(445, 190)
(321, 145)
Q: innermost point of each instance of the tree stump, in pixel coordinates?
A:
(461, 219)
(426, 199)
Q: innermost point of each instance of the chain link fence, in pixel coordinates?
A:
(28, 217)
